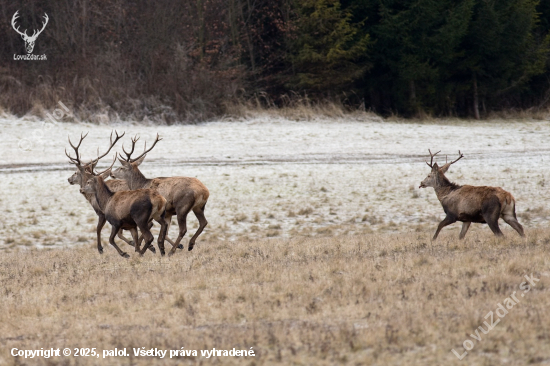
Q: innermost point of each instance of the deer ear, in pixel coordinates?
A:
(444, 168)
(140, 160)
(123, 162)
(106, 174)
(435, 168)
(90, 168)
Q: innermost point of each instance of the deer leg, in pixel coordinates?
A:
(448, 220)
(100, 223)
(168, 220)
(162, 234)
(199, 213)
(134, 234)
(148, 237)
(465, 227)
(513, 222)
(140, 240)
(114, 231)
(123, 238)
(182, 223)
(491, 213)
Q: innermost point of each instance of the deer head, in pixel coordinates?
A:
(92, 183)
(129, 164)
(29, 40)
(435, 175)
(86, 170)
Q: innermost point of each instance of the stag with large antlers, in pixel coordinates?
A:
(29, 40)
(129, 210)
(470, 203)
(86, 171)
(182, 194)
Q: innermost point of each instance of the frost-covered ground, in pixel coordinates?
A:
(277, 178)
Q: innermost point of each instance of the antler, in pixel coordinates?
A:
(111, 144)
(145, 151)
(24, 34)
(43, 26)
(15, 16)
(129, 154)
(460, 156)
(109, 168)
(76, 160)
(431, 164)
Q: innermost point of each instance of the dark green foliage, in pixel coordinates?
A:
(328, 51)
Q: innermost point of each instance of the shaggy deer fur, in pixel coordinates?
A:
(470, 203)
(182, 194)
(129, 210)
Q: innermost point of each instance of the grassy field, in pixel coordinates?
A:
(380, 299)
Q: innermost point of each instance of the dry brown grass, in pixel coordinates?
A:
(365, 299)
(295, 107)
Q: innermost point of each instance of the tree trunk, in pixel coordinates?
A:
(233, 23)
(412, 96)
(247, 36)
(200, 11)
(476, 99)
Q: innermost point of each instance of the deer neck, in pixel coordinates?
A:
(443, 187)
(89, 196)
(138, 181)
(103, 194)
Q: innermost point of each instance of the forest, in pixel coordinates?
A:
(188, 61)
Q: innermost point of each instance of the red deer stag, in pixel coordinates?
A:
(182, 194)
(470, 203)
(129, 210)
(85, 172)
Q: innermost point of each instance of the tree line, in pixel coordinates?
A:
(191, 60)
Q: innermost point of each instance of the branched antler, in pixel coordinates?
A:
(431, 164)
(129, 154)
(109, 168)
(24, 34)
(13, 19)
(460, 156)
(111, 144)
(76, 160)
(145, 150)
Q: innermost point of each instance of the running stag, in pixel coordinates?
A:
(85, 172)
(182, 194)
(470, 203)
(129, 210)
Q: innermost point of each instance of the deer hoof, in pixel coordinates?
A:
(100, 250)
(190, 247)
(132, 243)
(152, 248)
(125, 255)
(170, 253)
(180, 246)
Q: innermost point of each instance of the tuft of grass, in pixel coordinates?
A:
(305, 211)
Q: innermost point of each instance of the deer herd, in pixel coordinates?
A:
(130, 201)
(133, 201)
